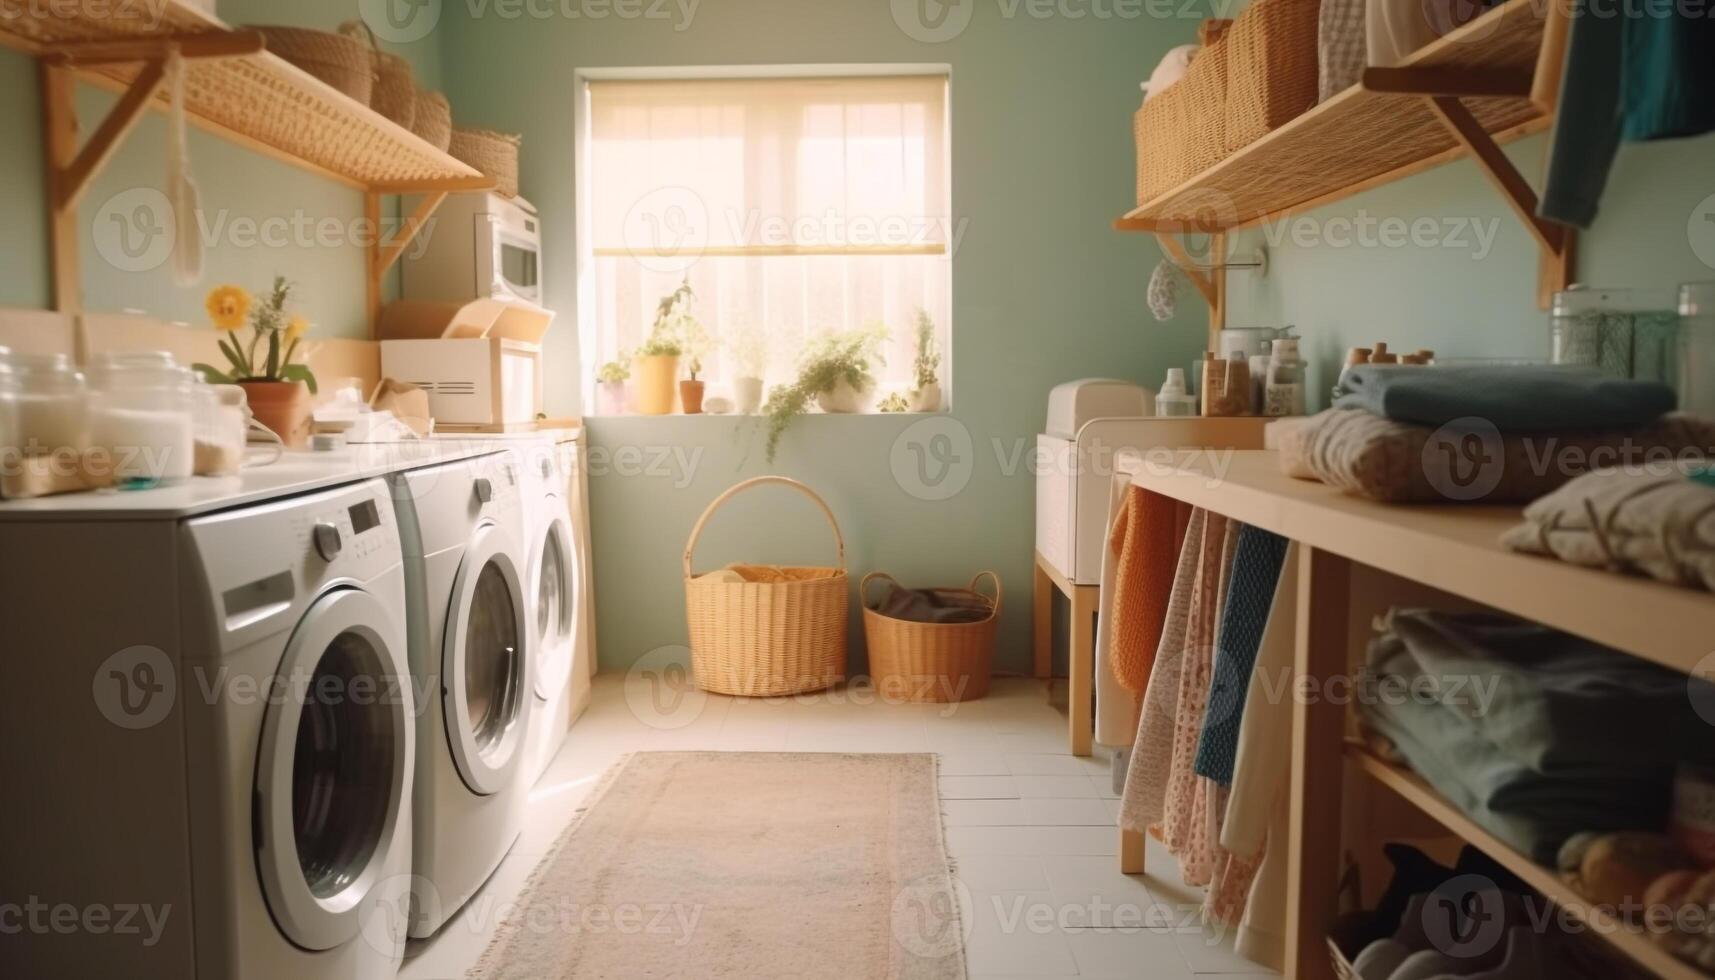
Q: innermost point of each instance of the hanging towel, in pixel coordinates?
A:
(1147, 535)
(1143, 800)
(1256, 571)
(1187, 827)
(1257, 810)
(1632, 72)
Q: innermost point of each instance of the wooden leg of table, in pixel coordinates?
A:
(1080, 690)
(1318, 728)
(1042, 622)
(1131, 852)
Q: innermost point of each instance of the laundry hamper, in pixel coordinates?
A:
(765, 631)
(932, 662)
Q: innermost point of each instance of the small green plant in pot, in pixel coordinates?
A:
(694, 346)
(927, 396)
(610, 382)
(750, 349)
(835, 375)
(276, 384)
(657, 361)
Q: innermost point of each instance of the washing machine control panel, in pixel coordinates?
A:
(347, 532)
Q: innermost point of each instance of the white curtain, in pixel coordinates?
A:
(795, 206)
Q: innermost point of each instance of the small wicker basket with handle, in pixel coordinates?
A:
(766, 638)
(932, 662)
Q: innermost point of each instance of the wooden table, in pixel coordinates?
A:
(1081, 646)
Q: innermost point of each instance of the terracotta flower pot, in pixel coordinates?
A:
(654, 377)
(691, 397)
(282, 406)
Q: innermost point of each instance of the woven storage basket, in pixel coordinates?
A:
(1272, 75)
(495, 154)
(340, 61)
(768, 638)
(1181, 132)
(395, 91)
(432, 119)
(931, 662)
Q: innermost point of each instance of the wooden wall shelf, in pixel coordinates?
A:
(1484, 84)
(253, 98)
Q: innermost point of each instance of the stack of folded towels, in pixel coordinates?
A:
(1535, 734)
(1405, 434)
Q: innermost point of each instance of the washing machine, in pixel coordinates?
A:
(222, 741)
(555, 588)
(471, 648)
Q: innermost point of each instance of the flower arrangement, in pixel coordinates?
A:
(616, 371)
(275, 336)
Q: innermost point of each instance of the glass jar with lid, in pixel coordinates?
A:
(8, 396)
(220, 429)
(142, 409)
(1626, 333)
(51, 405)
(1697, 348)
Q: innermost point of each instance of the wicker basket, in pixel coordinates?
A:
(340, 61)
(1181, 132)
(768, 638)
(1271, 68)
(432, 119)
(495, 154)
(931, 662)
(395, 92)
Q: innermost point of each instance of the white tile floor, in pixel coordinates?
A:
(1030, 827)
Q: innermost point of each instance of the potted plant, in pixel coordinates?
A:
(695, 343)
(835, 374)
(750, 349)
(657, 361)
(278, 387)
(610, 385)
(927, 396)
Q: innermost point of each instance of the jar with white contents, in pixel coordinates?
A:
(142, 408)
(51, 410)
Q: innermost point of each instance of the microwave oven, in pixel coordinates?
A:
(478, 246)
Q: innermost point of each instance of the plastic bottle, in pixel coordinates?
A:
(1285, 381)
(1174, 401)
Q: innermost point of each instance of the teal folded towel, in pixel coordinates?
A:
(1521, 398)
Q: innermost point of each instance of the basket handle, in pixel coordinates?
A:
(992, 577)
(863, 587)
(697, 531)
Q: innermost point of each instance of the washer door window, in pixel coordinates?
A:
(556, 611)
(485, 665)
(331, 770)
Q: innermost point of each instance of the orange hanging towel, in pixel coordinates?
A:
(1147, 534)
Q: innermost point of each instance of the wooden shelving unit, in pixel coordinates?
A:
(1450, 548)
(235, 89)
(1486, 83)
(1628, 941)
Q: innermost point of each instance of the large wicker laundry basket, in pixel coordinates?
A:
(932, 662)
(765, 631)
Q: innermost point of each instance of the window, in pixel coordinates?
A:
(794, 207)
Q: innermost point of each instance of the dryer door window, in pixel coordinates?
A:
(556, 611)
(331, 771)
(486, 665)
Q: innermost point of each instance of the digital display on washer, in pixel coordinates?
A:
(365, 516)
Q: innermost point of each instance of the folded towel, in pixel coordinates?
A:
(1660, 524)
(1523, 398)
(1146, 535)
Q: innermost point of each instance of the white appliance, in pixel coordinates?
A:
(481, 246)
(556, 589)
(461, 527)
(222, 747)
(480, 363)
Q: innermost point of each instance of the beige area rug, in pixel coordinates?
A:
(744, 865)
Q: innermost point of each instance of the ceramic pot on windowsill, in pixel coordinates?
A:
(747, 395)
(691, 397)
(926, 398)
(846, 400)
(610, 397)
(656, 376)
(282, 406)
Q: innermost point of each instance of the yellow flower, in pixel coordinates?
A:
(296, 329)
(228, 306)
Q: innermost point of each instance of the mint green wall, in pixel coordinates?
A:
(237, 186)
(1043, 290)
(1461, 304)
